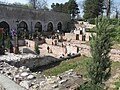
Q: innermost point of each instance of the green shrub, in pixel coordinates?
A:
(37, 49)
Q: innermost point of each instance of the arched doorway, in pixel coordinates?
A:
(6, 27)
(50, 27)
(22, 26)
(59, 26)
(38, 27)
(22, 29)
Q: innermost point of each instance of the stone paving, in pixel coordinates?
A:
(9, 84)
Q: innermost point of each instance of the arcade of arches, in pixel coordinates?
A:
(23, 27)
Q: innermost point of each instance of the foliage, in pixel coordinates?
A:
(73, 8)
(69, 7)
(78, 64)
(37, 49)
(92, 8)
(99, 69)
(39, 4)
(117, 84)
(60, 7)
(114, 21)
(91, 86)
(9, 44)
(117, 37)
(20, 5)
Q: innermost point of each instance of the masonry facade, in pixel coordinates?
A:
(29, 19)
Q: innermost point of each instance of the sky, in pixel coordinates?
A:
(48, 1)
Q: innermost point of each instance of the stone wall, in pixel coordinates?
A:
(114, 53)
(34, 62)
(73, 36)
(69, 36)
(10, 14)
(30, 43)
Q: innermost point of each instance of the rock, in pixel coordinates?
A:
(54, 86)
(20, 70)
(17, 76)
(2, 72)
(24, 74)
(28, 69)
(63, 81)
(36, 86)
(23, 67)
(11, 77)
(1, 87)
(25, 84)
(30, 77)
(8, 73)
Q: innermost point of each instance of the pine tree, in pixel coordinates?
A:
(92, 8)
(73, 8)
(37, 49)
(99, 69)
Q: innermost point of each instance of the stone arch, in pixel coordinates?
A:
(22, 30)
(50, 27)
(38, 27)
(6, 27)
(59, 26)
(22, 26)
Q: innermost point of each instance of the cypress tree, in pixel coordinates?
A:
(100, 66)
(37, 49)
(99, 69)
(9, 45)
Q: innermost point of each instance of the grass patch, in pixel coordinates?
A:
(115, 66)
(117, 84)
(116, 46)
(78, 64)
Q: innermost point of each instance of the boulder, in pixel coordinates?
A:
(24, 74)
(25, 84)
(29, 77)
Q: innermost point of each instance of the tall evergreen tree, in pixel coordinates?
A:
(73, 8)
(60, 7)
(92, 8)
(99, 69)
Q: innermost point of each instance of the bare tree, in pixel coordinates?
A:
(107, 5)
(116, 9)
(38, 4)
(80, 5)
